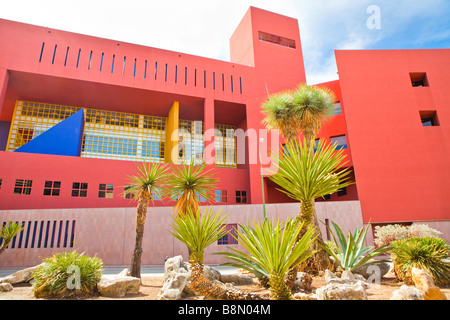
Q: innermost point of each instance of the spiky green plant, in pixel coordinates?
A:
(428, 254)
(272, 250)
(8, 232)
(150, 177)
(187, 183)
(305, 175)
(67, 274)
(198, 231)
(351, 253)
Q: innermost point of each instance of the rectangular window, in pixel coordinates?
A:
(225, 146)
(221, 196)
(339, 141)
(241, 196)
(52, 188)
(23, 186)
(281, 41)
(79, 189)
(0, 184)
(155, 194)
(419, 79)
(128, 195)
(105, 190)
(337, 109)
(429, 118)
(230, 237)
(342, 192)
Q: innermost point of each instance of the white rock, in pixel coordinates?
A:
(407, 293)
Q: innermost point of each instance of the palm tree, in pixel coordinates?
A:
(8, 232)
(273, 249)
(150, 178)
(187, 183)
(304, 176)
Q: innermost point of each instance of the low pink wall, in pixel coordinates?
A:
(109, 233)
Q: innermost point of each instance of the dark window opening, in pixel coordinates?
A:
(52, 188)
(105, 191)
(230, 237)
(342, 192)
(419, 79)
(23, 187)
(79, 189)
(429, 118)
(241, 196)
(281, 41)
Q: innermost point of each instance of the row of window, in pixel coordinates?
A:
(106, 191)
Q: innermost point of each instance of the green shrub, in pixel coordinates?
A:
(67, 274)
(422, 253)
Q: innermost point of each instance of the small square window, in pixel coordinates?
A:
(230, 237)
(327, 197)
(23, 187)
(429, 118)
(419, 79)
(105, 190)
(127, 194)
(342, 192)
(52, 188)
(241, 196)
(337, 108)
(79, 189)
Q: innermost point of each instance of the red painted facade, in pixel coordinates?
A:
(400, 167)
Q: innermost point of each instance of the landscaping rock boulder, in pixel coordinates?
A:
(304, 296)
(174, 285)
(339, 291)
(303, 282)
(407, 293)
(6, 287)
(211, 274)
(422, 280)
(368, 270)
(20, 276)
(434, 293)
(347, 278)
(118, 287)
(236, 279)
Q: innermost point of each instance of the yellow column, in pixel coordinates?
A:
(171, 149)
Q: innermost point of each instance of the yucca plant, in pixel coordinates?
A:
(187, 183)
(305, 175)
(67, 274)
(8, 232)
(272, 250)
(351, 253)
(428, 254)
(150, 177)
(198, 231)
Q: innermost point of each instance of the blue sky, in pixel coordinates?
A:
(203, 27)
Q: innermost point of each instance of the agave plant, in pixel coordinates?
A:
(350, 253)
(272, 250)
(8, 232)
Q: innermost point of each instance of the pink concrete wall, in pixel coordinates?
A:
(109, 233)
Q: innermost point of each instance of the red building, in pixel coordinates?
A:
(390, 116)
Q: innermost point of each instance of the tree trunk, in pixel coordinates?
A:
(319, 261)
(278, 288)
(141, 214)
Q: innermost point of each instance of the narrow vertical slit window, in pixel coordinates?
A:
(54, 54)
(101, 61)
(195, 77)
(214, 81)
(134, 71)
(42, 51)
(185, 75)
(90, 61)
(112, 65)
(176, 74)
(240, 84)
(232, 84)
(145, 70)
(78, 59)
(165, 74)
(156, 69)
(124, 62)
(223, 82)
(67, 54)
(204, 79)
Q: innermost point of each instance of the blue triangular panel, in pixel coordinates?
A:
(63, 139)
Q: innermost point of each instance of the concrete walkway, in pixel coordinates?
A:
(146, 271)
